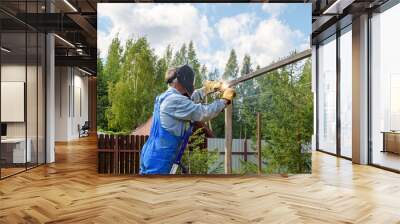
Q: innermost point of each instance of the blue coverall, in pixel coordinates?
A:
(172, 112)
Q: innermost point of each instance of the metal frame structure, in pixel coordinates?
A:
(382, 8)
(25, 32)
(338, 34)
(340, 22)
(228, 110)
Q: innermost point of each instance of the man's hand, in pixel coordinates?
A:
(211, 86)
(228, 95)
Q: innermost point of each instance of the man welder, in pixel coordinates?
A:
(173, 111)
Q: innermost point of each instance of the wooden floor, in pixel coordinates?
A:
(70, 191)
(387, 159)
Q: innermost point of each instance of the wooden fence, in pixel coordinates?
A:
(119, 154)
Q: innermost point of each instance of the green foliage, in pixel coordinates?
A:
(113, 62)
(286, 104)
(213, 75)
(124, 97)
(231, 67)
(108, 74)
(132, 75)
(102, 96)
(180, 57)
(194, 62)
(199, 160)
(248, 167)
(244, 110)
(231, 72)
(131, 99)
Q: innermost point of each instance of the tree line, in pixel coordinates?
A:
(132, 75)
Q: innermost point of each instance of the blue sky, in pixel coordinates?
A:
(264, 31)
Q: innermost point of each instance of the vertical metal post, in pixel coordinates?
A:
(245, 152)
(259, 142)
(338, 99)
(228, 139)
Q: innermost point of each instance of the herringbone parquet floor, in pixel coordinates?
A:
(70, 191)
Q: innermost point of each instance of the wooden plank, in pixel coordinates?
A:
(115, 159)
(106, 155)
(100, 158)
(275, 65)
(132, 156)
(259, 159)
(228, 139)
(111, 155)
(125, 154)
(137, 147)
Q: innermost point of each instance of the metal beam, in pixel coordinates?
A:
(338, 6)
(85, 25)
(228, 139)
(79, 61)
(259, 154)
(276, 65)
(205, 1)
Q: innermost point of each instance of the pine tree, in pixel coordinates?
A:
(180, 57)
(213, 75)
(194, 63)
(244, 113)
(231, 68)
(168, 55)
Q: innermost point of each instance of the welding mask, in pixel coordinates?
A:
(185, 76)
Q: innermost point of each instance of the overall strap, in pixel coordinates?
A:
(184, 144)
(156, 113)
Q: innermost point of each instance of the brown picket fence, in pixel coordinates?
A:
(119, 154)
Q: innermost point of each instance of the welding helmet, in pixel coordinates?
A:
(185, 76)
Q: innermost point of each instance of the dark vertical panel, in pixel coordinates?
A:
(369, 96)
(125, 155)
(0, 95)
(100, 145)
(317, 97)
(26, 80)
(259, 159)
(137, 148)
(45, 91)
(106, 146)
(37, 91)
(132, 155)
(111, 154)
(338, 82)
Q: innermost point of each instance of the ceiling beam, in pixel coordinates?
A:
(78, 61)
(86, 27)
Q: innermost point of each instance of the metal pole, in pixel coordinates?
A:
(228, 139)
(259, 142)
(273, 66)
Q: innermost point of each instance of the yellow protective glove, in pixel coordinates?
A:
(228, 94)
(212, 86)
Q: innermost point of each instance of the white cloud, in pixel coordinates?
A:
(231, 27)
(265, 40)
(270, 40)
(162, 24)
(274, 9)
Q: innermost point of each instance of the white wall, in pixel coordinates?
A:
(71, 94)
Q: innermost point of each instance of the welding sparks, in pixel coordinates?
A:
(224, 85)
